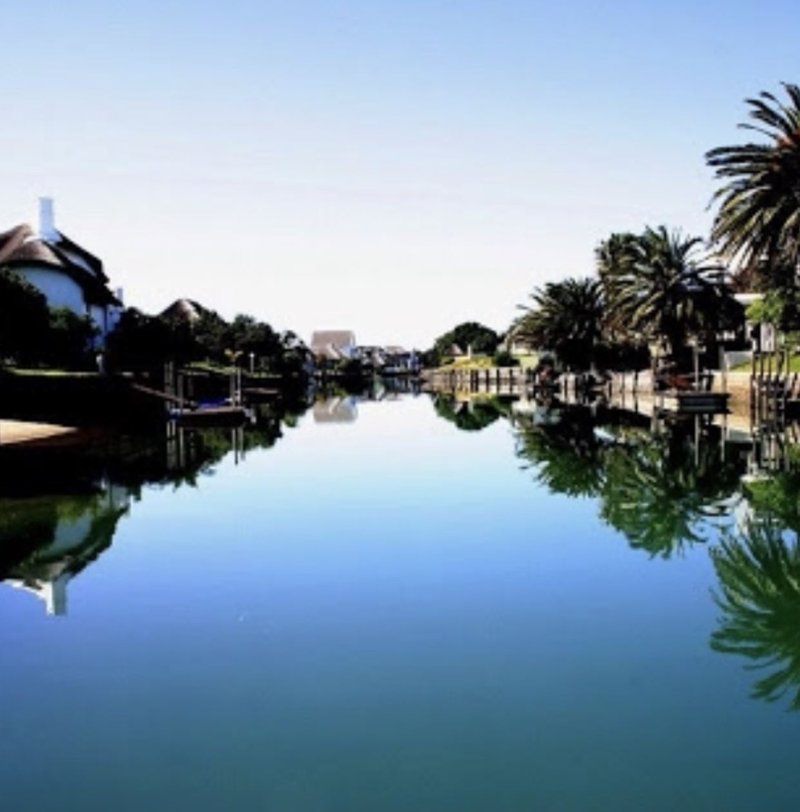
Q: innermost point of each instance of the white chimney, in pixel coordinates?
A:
(47, 220)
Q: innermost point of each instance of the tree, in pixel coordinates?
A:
(469, 334)
(566, 318)
(70, 338)
(139, 341)
(759, 202)
(661, 286)
(24, 319)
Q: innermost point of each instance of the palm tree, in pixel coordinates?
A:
(566, 318)
(660, 286)
(759, 203)
(759, 574)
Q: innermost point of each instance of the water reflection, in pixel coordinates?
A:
(47, 540)
(667, 483)
(758, 566)
(660, 483)
(59, 508)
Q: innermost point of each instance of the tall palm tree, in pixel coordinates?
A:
(566, 318)
(661, 286)
(759, 203)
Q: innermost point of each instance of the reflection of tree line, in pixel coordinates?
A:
(672, 486)
(59, 509)
(471, 415)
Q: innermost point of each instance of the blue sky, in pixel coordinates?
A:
(389, 167)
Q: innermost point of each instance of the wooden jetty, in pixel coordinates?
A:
(210, 416)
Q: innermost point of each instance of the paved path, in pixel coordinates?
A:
(17, 431)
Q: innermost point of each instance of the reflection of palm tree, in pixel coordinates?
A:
(656, 489)
(568, 455)
(759, 574)
(659, 495)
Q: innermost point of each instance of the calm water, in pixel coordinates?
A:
(403, 605)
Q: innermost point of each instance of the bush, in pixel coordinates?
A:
(503, 358)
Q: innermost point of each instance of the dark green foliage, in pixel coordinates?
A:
(139, 341)
(759, 575)
(659, 286)
(656, 489)
(31, 334)
(759, 202)
(142, 341)
(503, 358)
(70, 339)
(469, 334)
(566, 317)
(24, 320)
(472, 416)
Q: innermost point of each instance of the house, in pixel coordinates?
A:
(516, 344)
(333, 345)
(67, 274)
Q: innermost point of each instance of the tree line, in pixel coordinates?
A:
(664, 288)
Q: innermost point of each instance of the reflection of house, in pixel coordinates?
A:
(335, 410)
(390, 359)
(333, 345)
(74, 531)
(67, 274)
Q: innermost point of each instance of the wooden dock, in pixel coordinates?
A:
(211, 416)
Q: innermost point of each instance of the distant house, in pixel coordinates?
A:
(516, 344)
(67, 274)
(333, 345)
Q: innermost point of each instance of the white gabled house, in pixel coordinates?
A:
(66, 274)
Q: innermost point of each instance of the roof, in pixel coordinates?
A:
(334, 338)
(184, 310)
(12, 239)
(20, 247)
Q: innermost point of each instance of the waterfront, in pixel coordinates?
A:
(407, 604)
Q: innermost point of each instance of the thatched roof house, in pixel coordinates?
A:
(67, 274)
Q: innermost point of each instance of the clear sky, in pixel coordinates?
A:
(388, 166)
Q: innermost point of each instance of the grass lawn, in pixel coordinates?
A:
(794, 365)
(486, 362)
(49, 373)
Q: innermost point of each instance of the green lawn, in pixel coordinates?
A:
(794, 365)
(50, 373)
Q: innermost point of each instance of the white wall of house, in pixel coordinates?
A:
(58, 288)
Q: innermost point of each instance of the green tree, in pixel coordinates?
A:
(759, 202)
(24, 320)
(661, 286)
(70, 339)
(469, 334)
(566, 317)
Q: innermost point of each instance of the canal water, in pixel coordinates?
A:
(411, 603)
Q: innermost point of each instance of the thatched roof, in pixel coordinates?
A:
(21, 248)
(11, 240)
(186, 311)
